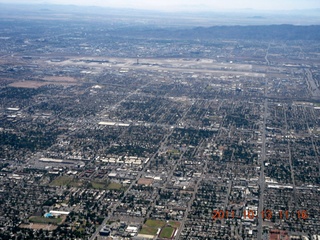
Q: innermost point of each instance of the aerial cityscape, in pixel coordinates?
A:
(122, 128)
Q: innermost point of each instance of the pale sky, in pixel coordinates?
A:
(176, 5)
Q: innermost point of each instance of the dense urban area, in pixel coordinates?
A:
(106, 134)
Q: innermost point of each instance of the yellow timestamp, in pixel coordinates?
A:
(265, 214)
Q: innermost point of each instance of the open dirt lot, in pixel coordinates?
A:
(38, 226)
(28, 84)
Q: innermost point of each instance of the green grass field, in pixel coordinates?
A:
(174, 224)
(151, 227)
(174, 152)
(317, 104)
(166, 232)
(71, 182)
(66, 181)
(38, 219)
(106, 185)
(99, 185)
(61, 181)
(148, 230)
(155, 223)
(114, 186)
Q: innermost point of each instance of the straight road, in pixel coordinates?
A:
(262, 160)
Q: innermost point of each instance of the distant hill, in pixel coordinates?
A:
(257, 17)
(271, 32)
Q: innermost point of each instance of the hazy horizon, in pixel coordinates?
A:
(184, 5)
(161, 16)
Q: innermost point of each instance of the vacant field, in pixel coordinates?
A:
(38, 226)
(37, 84)
(106, 185)
(62, 181)
(174, 152)
(76, 183)
(60, 79)
(166, 232)
(99, 185)
(66, 181)
(71, 182)
(38, 219)
(28, 84)
(114, 186)
(145, 181)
